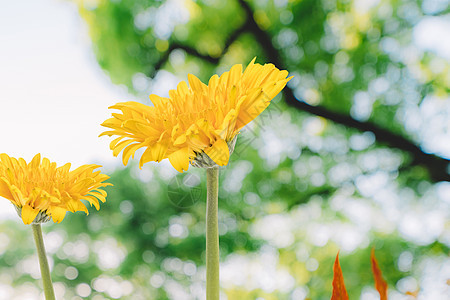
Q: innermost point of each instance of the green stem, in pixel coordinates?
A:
(43, 263)
(212, 234)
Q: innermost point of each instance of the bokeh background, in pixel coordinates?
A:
(353, 155)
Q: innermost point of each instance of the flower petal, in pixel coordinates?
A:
(339, 291)
(35, 161)
(196, 85)
(234, 76)
(58, 213)
(380, 283)
(158, 101)
(5, 192)
(156, 152)
(29, 214)
(180, 159)
(129, 151)
(219, 152)
(251, 106)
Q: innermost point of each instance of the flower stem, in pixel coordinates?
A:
(43, 263)
(212, 234)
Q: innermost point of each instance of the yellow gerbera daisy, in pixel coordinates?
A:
(196, 124)
(40, 190)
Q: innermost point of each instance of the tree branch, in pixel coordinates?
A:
(192, 51)
(437, 166)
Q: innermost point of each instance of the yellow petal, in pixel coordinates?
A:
(64, 169)
(108, 133)
(82, 207)
(129, 151)
(101, 192)
(251, 64)
(58, 213)
(158, 101)
(114, 142)
(120, 146)
(29, 214)
(274, 88)
(227, 128)
(5, 192)
(132, 105)
(182, 89)
(180, 159)
(195, 84)
(17, 194)
(45, 162)
(219, 152)
(35, 161)
(235, 75)
(5, 159)
(212, 84)
(156, 152)
(180, 140)
(72, 205)
(93, 201)
(250, 107)
(98, 196)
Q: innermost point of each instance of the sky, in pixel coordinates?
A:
(53, 93)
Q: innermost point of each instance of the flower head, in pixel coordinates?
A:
(198, 123)
(40, 190)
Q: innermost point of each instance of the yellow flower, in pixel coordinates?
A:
(197, 122)
(40, 190)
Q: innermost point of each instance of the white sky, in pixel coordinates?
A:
(53, 93)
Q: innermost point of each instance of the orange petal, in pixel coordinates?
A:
(339, 291)
(29, 214)
(380, 284)
(219, 152)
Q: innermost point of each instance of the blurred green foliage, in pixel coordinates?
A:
(298, 187)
